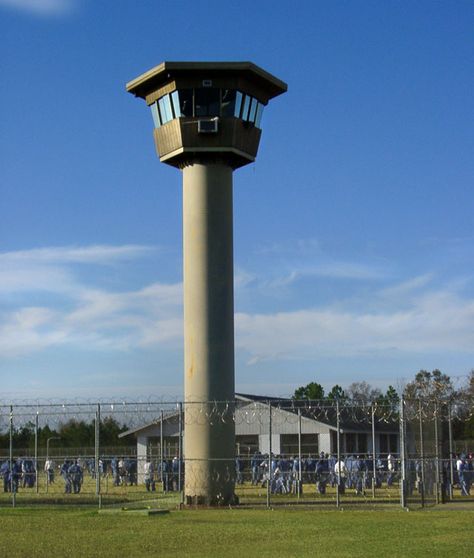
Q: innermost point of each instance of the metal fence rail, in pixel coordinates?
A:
(333, 453)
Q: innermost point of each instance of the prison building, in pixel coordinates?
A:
(290, 420)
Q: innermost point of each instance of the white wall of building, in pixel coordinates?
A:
(264, 443)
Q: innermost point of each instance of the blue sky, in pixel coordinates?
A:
(354, 236)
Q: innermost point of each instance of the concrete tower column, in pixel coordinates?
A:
(208, 333)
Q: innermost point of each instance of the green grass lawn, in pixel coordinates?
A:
(248, 494)
(70, 532)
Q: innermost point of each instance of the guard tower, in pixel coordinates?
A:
(207, 118)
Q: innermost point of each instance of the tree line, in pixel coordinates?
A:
(70, 434)
(426, 385)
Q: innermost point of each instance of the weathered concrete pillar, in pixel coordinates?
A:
(208, 333)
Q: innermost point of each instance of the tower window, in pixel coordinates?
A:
(228, 102)
(186, 102)
(165, 109)
(245, 109)
(258, 115)
(207, 102)
(175, 104)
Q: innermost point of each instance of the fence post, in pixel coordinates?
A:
(97, 454)
(338, 443)
(437, 468)
(451, 452)
(403, 464)
(12, 487)
(180, 455)
(422, 455)
(161, 452)
(374, 468)
(299, 453)
(36, 454)
(269, 465)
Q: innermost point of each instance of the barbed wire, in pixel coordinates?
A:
(137, 413)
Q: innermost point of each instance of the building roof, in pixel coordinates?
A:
(352, 418)
(167, 71)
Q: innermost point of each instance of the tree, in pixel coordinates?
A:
(468, 390)
(463, 421)
(77, 433)
(363, 393)
(430, 385)
(109, 432)
(391, 397)
(312, 391)
(337, 394)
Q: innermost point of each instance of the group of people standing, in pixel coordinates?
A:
(73, 475)
(18, 473)
(288, 474)
(285, 474)
(169, 471)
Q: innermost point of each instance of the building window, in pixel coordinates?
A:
(165, 109)
(388, 443)
(207, 102)
(238, 104)
(351, 443)
(156, 115)
(289, 446)
(175, 104)
(258, 115)
(393, 443)
(362, 443)
(252, 110)
(186, 102)
(245, 109)
(228, 102)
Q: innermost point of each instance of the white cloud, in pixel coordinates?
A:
(298, 259)
(301, 246)
(42, 7)
(16, 279)
(331, 270)
(99, 254)
(407, 287)
(406, 318)
(243, 278)
(97, 320)
(440, 321)
(73, 312)
(49, 269)
(28, 330)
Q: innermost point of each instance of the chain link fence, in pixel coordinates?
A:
(287, 452)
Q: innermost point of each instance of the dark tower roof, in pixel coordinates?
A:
(165, 72)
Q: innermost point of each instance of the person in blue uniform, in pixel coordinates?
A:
(5, 474)
(114, 465)
(175, 470)
(332, 475)
(15, 475)
(239, 468)
(76, 476)
(359, 471)
(322, 473)
(64, 472)
(255, 466)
